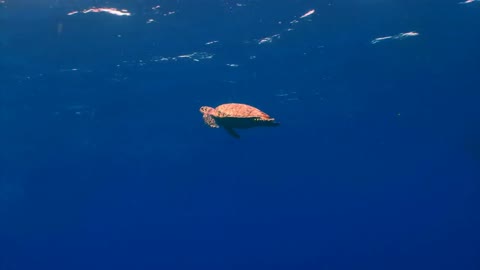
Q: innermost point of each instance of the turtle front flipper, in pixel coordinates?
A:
(209, 120)
(232, 132)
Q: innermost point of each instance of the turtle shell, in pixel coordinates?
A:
(238, 110)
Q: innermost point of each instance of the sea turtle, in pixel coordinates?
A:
(236, 115)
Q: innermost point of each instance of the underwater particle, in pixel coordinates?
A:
(398, 36)
(376, 40)
(196, 56)
(309, 13)
(232, 116)
(113, 11)
(269, 39)
(289, 28)
(211, 42)
(405, 35)
(287, 96)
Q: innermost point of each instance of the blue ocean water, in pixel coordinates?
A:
(105, 162)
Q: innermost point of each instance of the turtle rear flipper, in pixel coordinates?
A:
(272, 124)
(232, 132)
(208, 119)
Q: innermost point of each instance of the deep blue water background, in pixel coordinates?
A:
(376, 164)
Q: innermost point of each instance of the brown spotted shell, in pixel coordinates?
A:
(238, 110)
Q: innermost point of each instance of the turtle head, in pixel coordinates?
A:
(207, 116)
(207, 110)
